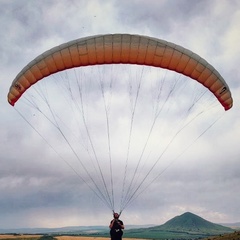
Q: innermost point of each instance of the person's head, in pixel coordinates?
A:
(115, 215)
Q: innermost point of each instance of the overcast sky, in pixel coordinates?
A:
(39, 190)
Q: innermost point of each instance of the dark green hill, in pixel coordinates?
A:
(185, 226)
(189, 222)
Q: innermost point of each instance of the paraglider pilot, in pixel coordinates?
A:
(116, 227)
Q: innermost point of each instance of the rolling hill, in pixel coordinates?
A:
(189, 222)
(185, 226)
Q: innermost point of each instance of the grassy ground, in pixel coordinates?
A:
(19, 237)
(41, 237)
(87, 238)
(231, 236)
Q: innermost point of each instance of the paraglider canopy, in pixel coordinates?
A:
(121, 48)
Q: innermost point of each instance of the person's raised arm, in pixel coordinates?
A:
(111, 224)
